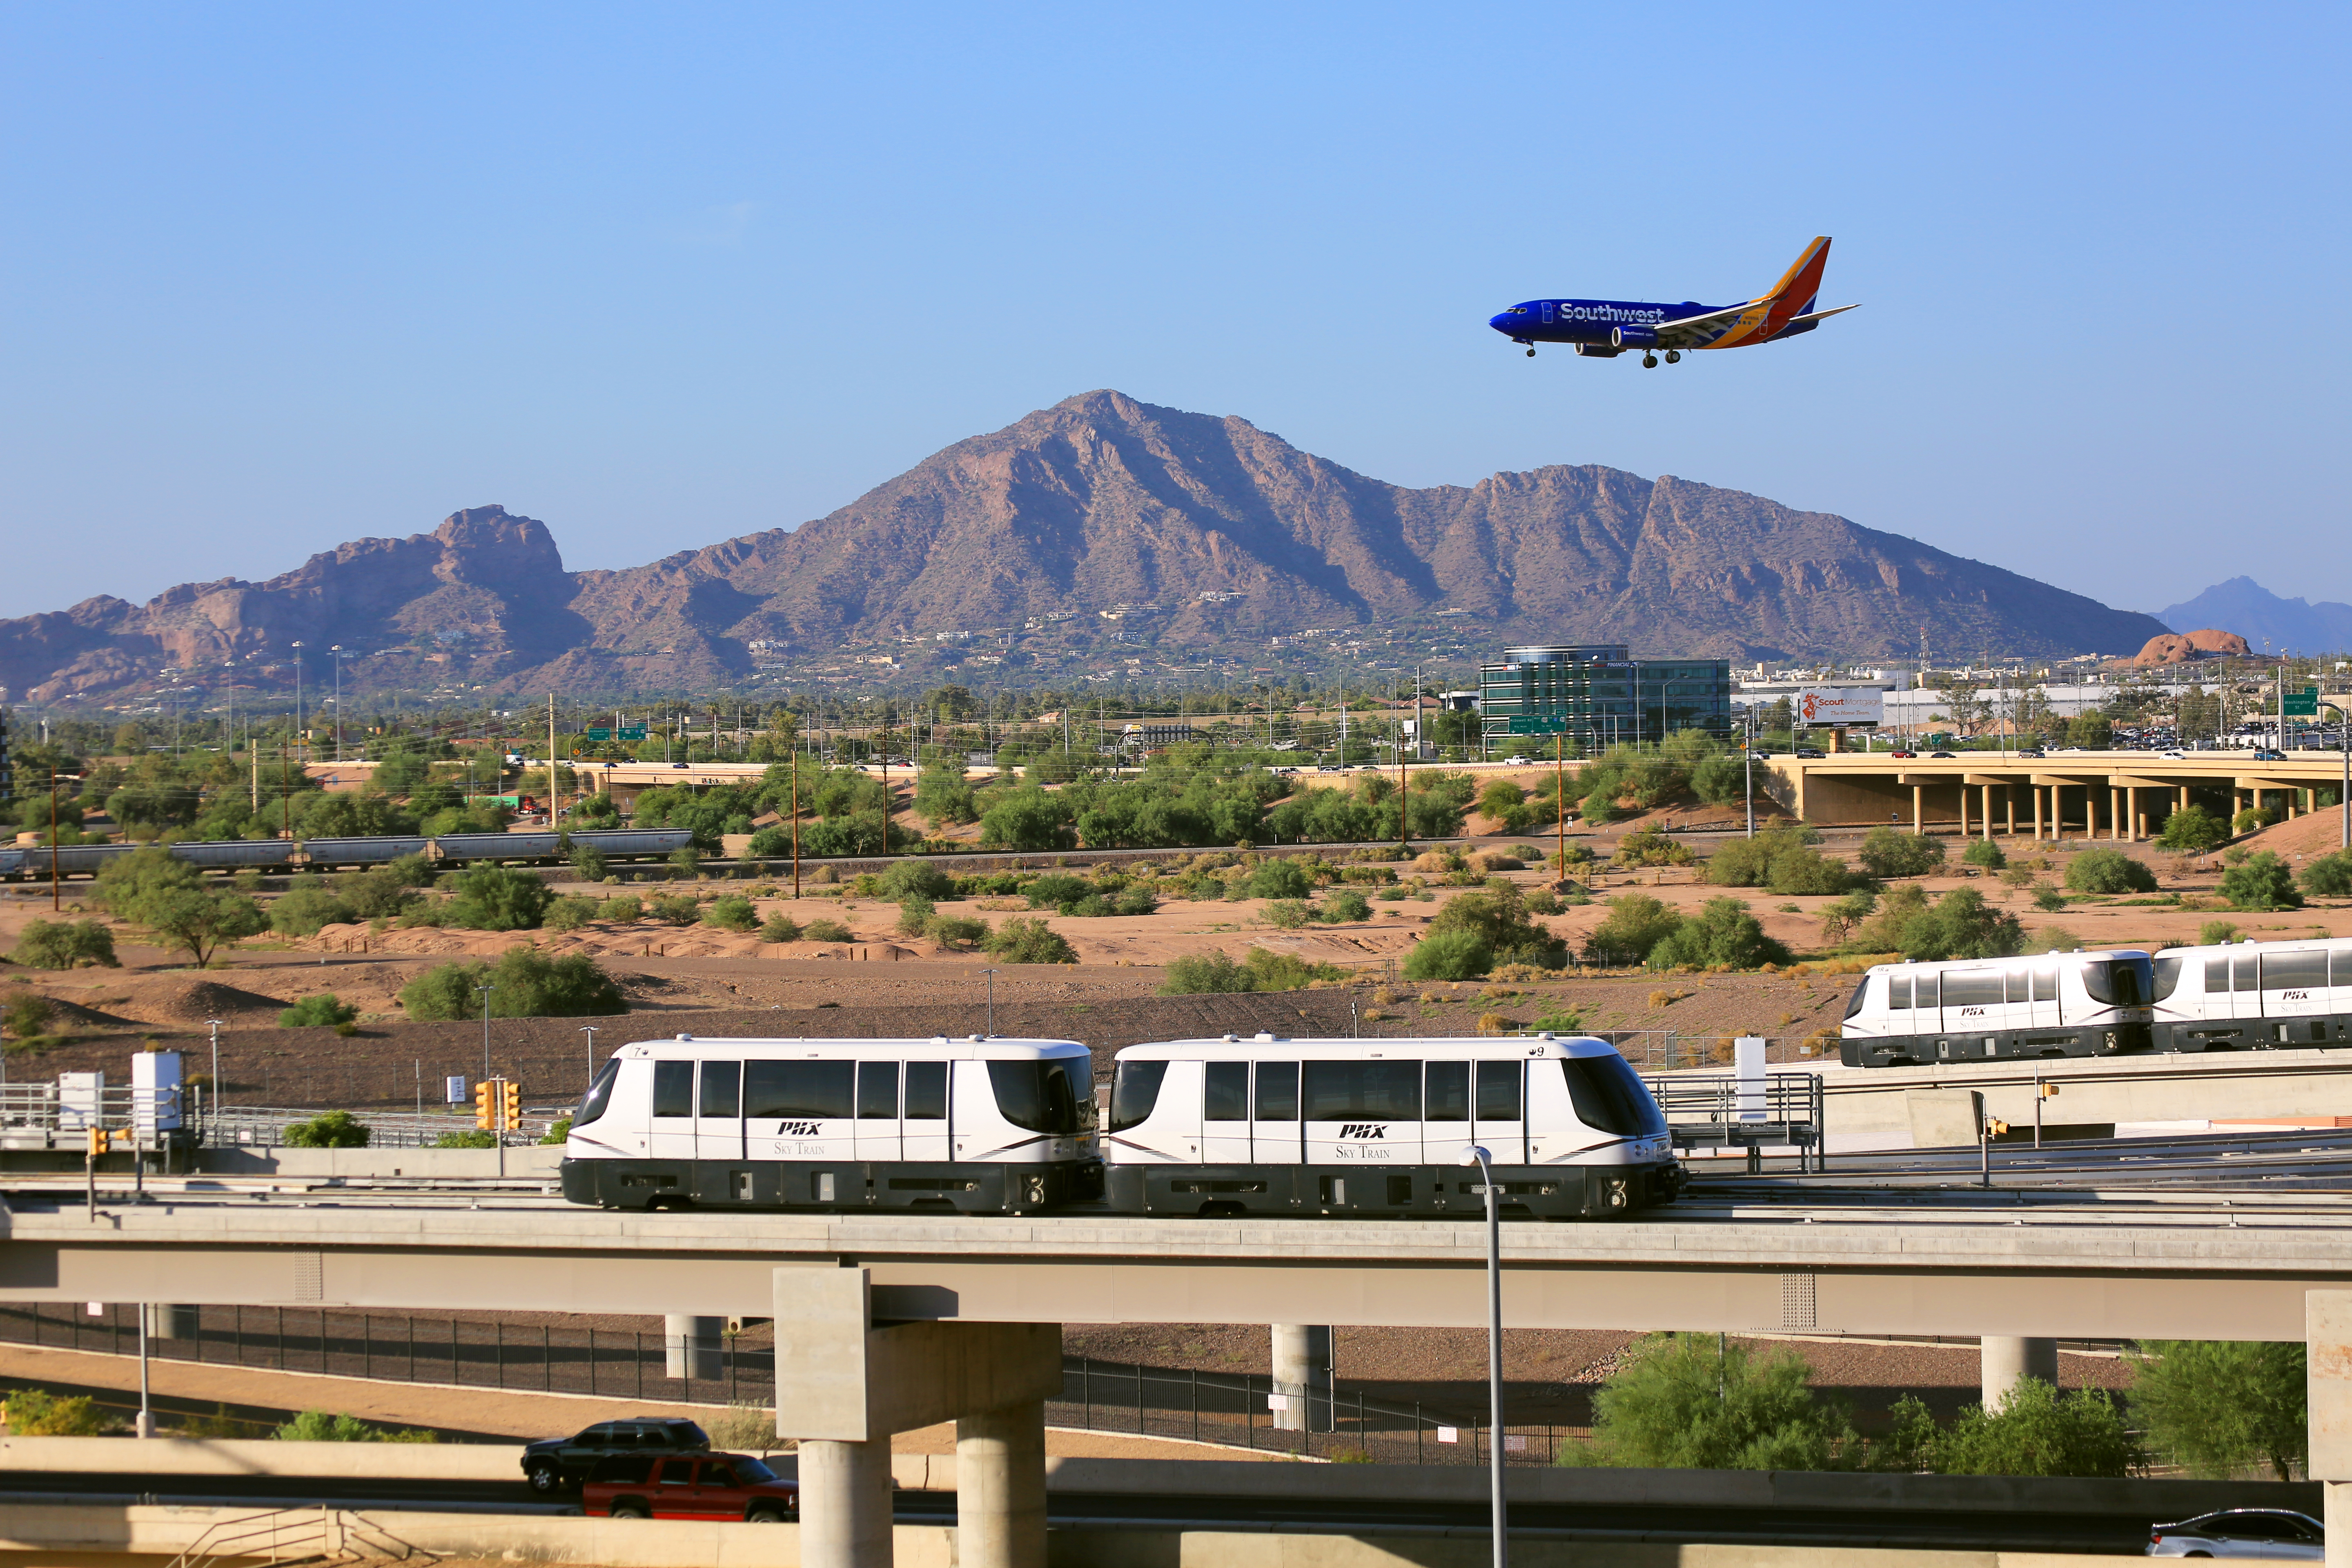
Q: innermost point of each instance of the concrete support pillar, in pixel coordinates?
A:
(1963, 811)
(2115, 812)
(2009, 802)
(1001, 1488)
(690, 1347)
(2180, 798)
(1918, 812)
(2237, 805)
(2131, 810)
(166, 1322)
(2037, 814)
(2005, 1363)
(846, 1503)
(2327, 1341)
(1302, 1373)
(1987, 813)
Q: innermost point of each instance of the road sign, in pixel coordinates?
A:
(2303, 704)
(632, 731)
(597, 732)
(606, 732)
(1534, 726)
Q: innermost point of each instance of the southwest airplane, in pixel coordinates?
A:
(1603, 329)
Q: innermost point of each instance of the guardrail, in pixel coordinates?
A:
(264, 1127)
(1725, 1112)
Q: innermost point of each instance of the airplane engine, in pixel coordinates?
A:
(1632, 338)
(1597, 351)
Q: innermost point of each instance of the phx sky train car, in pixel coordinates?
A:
(975, 1125)
(1269, 1126)
(2050, 1005)
(2253, 995)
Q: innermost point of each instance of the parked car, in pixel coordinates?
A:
(2242, 1532)
(559, 1463)
(690, 1486)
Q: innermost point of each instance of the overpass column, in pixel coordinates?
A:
(690, 1347)
(2328, 1343)
(846, 1503)
(1001, 1487)
(1302, 1371)
(1988, 811)
(1964, 810)
(2005, 1363)
(2037, 812)
(2009, 802)
(2131, 812)
(2115, 812)
(1918, 814)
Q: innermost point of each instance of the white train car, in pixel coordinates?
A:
(1328, 1126)
(2253, 995)
(1985, 1009)
(974, 1125)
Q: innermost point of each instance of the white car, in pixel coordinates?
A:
(1516, 761)
(2273, 1533)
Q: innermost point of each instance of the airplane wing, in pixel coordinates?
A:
(1821, 315)
(1698, 331)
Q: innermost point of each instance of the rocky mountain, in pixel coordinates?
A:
(1176, 531)
(2264, 620)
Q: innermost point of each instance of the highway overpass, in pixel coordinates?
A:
(2105, 795)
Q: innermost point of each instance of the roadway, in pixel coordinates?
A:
(2110, 794)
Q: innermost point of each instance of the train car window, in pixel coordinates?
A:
(1362, 1091)
(1924, 991)
(2121, 982)
(2168, 976)
(1449, 1092)
(2045, 983)
(600, 1094)
(1898, 992)
(1134, 1090)
(803, 1090)
(2016, 979)
(1037, 1097)
(877, 1090)
(1277, 1091)
(1609, 1097)
(672, 1089)
(2306, 969)
(2217, 976)
(1071, 1095)
(1498, 1091)
(927, 1091)
(2242, 976)
(1861, 994)
(1225, 1094)
(1972, 988)
(723, 1088)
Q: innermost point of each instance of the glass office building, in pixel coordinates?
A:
(1604, 697)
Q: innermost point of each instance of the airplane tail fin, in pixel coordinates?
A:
(1803, 282)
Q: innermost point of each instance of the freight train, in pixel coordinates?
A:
(1330, 1128)
(39, 862)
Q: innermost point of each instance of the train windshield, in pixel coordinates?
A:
(1134, 1090)
(600, 1094)
(2121, 982)
(2166, 976)
(1609, 1097)
(1040, 1097)
(1861, 994)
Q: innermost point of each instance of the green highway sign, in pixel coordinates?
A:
(604, 733)
(598, 734)
(632, 731)
(1536, 726)
(2303, 704)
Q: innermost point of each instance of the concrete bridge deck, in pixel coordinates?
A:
(2106, 795)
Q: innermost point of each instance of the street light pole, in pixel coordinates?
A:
(991, 1002)
(216, 1023)
(2344, 793)
(336, 651)
(1474, 1154)
(590, 1030)
(486, 991)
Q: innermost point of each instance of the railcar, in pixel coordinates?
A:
(976, 1125)
(2050, 1005)
(18, 861)
(2253, 995)
(1365, 1127)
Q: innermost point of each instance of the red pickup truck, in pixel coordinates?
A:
(690, 1486)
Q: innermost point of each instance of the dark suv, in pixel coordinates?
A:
(561, 1462)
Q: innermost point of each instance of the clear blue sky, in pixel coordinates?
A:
(272, 277)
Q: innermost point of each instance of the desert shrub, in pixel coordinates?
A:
(499, 898)
(125, 883)
(916, 913)
(1195, 973)
(570, 913)
(627, 907)
(733, 913)
(1498, 914)
(380, 893)
(2254, 819)
(1722, 935)
(961, 933)
(1343, 905)
(1986, 853)
(2217, 933)
(37, 1413)
(319, 1427)
(1801, 869)
(328, 1129)
(1960, 924)
(27, 1016)
(1026, 940)
(2261, 882)
(1689, 1401)
(527, 985)
(1271, 971)
(1506, 803)
(1055, 889)
(678, 909)
(770, 841)
(470, 1138)
(2038, 1432)
(62, 944)
(1636, 923)
(2108, 871)
(2049, 901)
(1890, 852)
(2223, 1406)
(1280, 879)
(914, 875)
(824, 930)
(311, 1012)
(2329, 877)
(2192, 829)
(1460, 955)
(588, 863)
(779, 928)
(1135, 900)
(1720, 779)
(1289, 914)
(1651, 848)
(305, 910)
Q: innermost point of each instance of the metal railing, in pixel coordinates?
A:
(58, 1115)
(1727, 1111)
(264, 1126)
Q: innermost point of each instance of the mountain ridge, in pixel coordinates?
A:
(2265, 618)
(1174, 530)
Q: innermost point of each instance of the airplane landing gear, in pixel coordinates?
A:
(1649, 362)
(1673, 357)
(1531, 354)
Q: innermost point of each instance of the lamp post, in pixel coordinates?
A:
(2344, 794)
(991, 1002)
(337, 650)
(298, 691)
(216, 1023)
(55, 895)
(1474, 1154)
(590, 1030)
(486, 991)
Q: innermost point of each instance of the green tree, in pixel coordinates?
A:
(198, 920)
(2108, 871)
(1890, 852)
(305, 910)
(1462, 954)
(328, 1129)
(1195, 973)
(1342, 906)
(779, 928)
(1695, 1402)
(732, 913)
(1960, 924)
(319, 1427)
(2038, 1432)
(37, 1413)
(2091, 731)
(1722, 935)
(1636, 923)
(65, 944)
(2261, 882)
(1984, 853)
(499, 898)
(2329, 877)
(1023, 939)
(1720, 780)
(528, 984)
(27, 1014)
(123, 882)
(1498, 914)
(311, 1012)
(1028, 818)
(2193, 829)
(2221, 1407)
(916, 875)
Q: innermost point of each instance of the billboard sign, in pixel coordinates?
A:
(1838, 705)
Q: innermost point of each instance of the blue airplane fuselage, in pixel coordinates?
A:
(1586, 321)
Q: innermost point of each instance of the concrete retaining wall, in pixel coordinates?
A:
(138, 1460)
(528, 1160)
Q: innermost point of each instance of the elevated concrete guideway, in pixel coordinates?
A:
(2230, 1265)
(2105, 794)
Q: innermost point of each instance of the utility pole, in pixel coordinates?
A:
(1559, 796)
(336, 652)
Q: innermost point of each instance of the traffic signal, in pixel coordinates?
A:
(97, 1142)
(486, 1105)
(1995, 1127)
(510, 1105)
